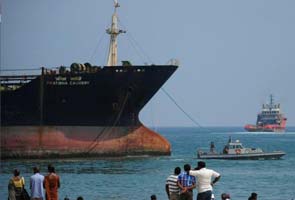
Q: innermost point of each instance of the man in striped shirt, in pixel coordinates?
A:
(172, 188)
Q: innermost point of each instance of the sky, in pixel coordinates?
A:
(233, 54)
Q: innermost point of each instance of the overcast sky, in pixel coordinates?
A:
(233, 53)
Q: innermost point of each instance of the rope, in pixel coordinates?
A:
(183, 111)
(136, 45)
(94, 142)
(97, 46)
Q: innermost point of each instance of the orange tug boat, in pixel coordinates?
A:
(271, 119)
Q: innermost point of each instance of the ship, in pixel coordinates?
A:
(270, 119)
(82, 110)
(234, 150)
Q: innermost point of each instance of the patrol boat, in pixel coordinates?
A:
(234, 150)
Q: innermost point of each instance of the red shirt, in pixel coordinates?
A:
(51, 184)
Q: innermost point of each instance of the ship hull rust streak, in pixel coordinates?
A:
(80, 142)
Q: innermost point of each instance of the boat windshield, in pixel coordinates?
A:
(235, 146)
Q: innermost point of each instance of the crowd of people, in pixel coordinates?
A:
(40, 186)
(180, 185)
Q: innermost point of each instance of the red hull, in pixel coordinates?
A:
(62, 141)
(270, 119)
(266, 128)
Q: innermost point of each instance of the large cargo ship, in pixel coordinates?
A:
(270, 119)
(82, 110)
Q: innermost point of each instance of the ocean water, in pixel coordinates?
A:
(139, 177)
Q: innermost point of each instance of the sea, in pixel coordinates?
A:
(139, 177)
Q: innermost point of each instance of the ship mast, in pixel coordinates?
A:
(271, 101)
(114, 32)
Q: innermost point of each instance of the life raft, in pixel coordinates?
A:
(238, 151)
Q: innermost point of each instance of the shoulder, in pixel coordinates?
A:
(180, 175)
(11, 180)
(194, 172)
(215, 173)
(173, 177)
(39, 176)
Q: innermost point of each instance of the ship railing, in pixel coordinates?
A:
(173, 61)
(12, 79)
(75, 68)
(14, 82)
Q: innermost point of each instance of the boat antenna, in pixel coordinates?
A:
(114, 32)
(229, 139)
(271, 101)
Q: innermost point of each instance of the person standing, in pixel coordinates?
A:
(204, 176)
(36, 185)
(187, 183)
(172, 188)
(51, 184)
(15, 186)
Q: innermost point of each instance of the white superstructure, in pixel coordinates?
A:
(114, 32)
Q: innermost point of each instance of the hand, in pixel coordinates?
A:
(184, 190)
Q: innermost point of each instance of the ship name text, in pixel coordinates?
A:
(61, 80)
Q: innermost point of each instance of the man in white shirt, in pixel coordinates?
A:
(204, 177)
(36, 185)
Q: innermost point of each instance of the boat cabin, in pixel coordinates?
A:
(235, 147)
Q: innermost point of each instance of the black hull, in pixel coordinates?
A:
(112, 96)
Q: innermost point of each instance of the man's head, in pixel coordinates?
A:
(36, 169)
(253, 195)
(201, 164)
(187, 167)
(177, 170)
(51, 169)
(16, 172)
(153, 197)
(225, 196)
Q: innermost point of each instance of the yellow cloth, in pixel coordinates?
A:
(19, 182)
